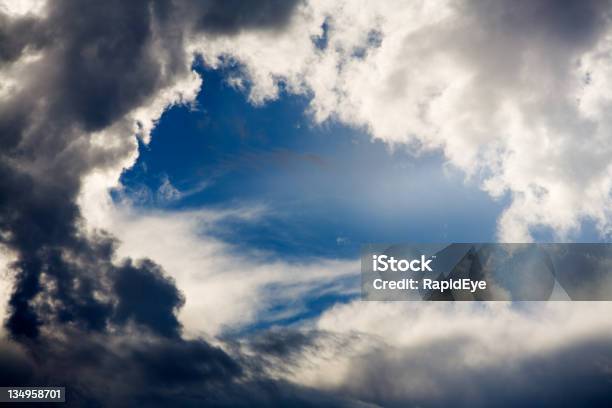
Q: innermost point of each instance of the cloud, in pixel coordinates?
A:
(515, 96)
(74, 107)
(167, 192)
(122, 370)
(448, 354)
(230, 17)
(226, 288)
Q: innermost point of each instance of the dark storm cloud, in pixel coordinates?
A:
(79, 316)
(231, 16)
(282, 343)
(455, 372)
(107, 64)
(125, 371)
(147, 297)
(553, 23)
(16, 35)
(439, 374)
(96, 64)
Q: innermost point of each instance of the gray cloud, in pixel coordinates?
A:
(18, 34)
(125, 370)
(230, 17)
(79, 316)
(95, 65)
(436, 375)
(449, 372)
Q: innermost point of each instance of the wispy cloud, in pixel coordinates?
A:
(226, 287)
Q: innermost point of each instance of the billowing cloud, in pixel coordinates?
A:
(515, 95)
(438, 355)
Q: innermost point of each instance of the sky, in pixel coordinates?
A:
(185, 188)
(328, 188)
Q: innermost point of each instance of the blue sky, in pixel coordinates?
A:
(327, 188)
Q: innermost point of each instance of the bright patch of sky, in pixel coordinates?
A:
(327, 188)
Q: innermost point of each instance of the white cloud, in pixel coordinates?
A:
(167, 192)
(6, 279)
(411, 351)
(516, 97)
(225, 288)
(22, 7)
